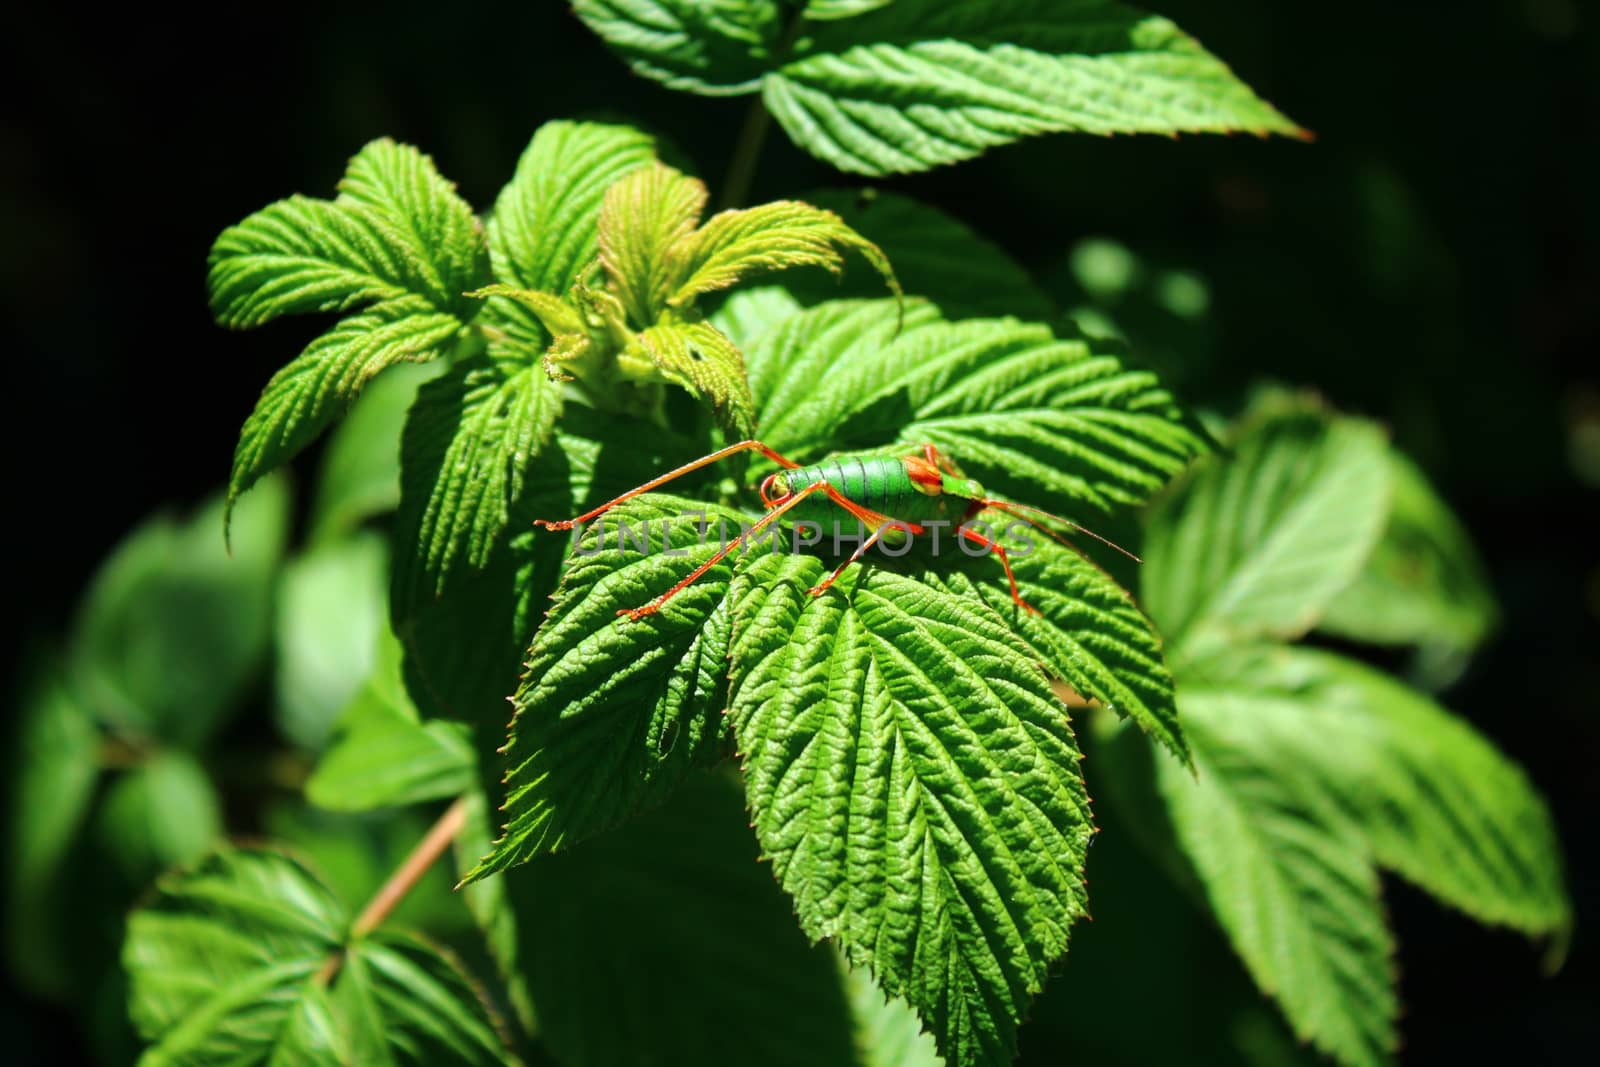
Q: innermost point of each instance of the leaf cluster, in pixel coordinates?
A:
(905, 750)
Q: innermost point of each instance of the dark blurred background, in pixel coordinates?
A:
(1432, 260)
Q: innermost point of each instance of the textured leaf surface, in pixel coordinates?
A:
(544, 229)
(699, 357)
(883, 88)
(916, 786)
(315, 388)
(1423, 583)
(223, 967)
(398, 237)
(1433, 799)
(887, 1032)
(1259, 542)
(465, 647)
(745, 314)
(715, 48)
(1288, 879)
(1089, 633)
(397, 229)
(463, 461)
(644, 215)
(918, 83)
(733, 245)
(1033, 417)
(383, 755)
(611, 714)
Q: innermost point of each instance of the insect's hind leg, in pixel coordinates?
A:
(635, 614)
(703, 461)
(1005, 561)
(879, 524)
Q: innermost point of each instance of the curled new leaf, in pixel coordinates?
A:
(699, 357)
(645, 216)
(734, 245)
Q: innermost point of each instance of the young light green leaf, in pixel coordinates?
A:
(917, 83)
(1260, 541)
(612, 714)
(645, 215)
(717, 49)
(544, 229)
(226, 962)
(1433, 799)
(1031, 416)
(360, 472)
(699, 357)
(553, 313)
(916, 786)
(667, 943)
(159, 814)
(1088, 632)
(315, 388)
(1288, 878)
(383, 755)
(935, 256)
(174, 628)
(733, 245)
(331, 608)
(1423, 583)
(463, 463)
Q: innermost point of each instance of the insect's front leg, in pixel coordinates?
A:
(687, 468)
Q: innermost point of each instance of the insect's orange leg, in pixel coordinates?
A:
(762, 523)
(874, 521)
(939, 460)
(1005, 561)
(721, 453)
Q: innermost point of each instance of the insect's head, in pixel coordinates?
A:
(775, 489)
(965, 488)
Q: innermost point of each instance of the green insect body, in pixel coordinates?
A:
(891, 496)
(882, 485)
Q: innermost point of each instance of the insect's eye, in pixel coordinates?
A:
(774, 489)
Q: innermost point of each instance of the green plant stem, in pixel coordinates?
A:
(757, 121)
(746, 152)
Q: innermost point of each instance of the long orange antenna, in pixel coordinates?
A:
(742, 446)
(1026, 513)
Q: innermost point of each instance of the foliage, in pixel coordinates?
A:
(908, 744)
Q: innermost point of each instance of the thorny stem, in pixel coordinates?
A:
(402, 881)
(757, 121)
